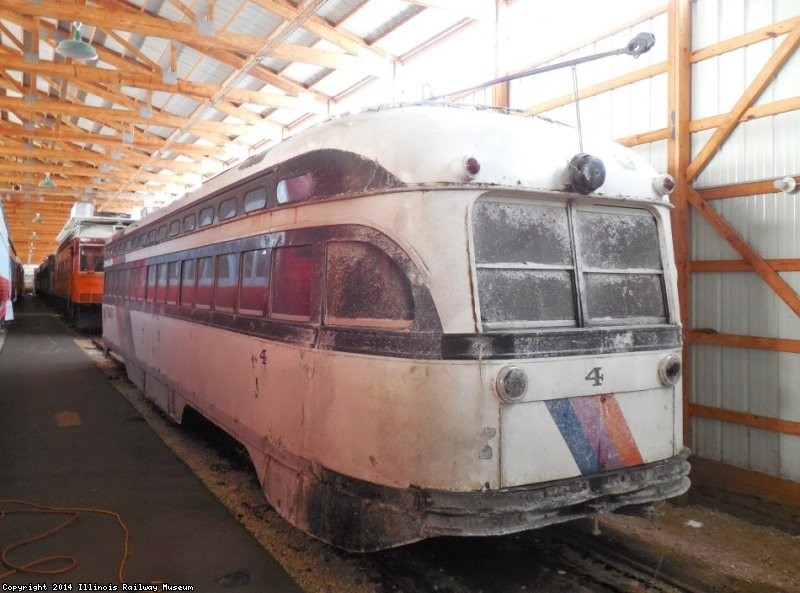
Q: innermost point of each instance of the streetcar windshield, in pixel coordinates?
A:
(566, 264)
(91, 258)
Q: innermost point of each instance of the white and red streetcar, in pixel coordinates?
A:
(421, 320)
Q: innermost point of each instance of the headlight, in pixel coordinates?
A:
(669, 369)
(511, 383)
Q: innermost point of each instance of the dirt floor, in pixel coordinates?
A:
(741, 556)
(759, 553)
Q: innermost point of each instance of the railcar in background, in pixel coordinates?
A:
(421, 320)
(73, 279)
(10, 273)
(43, 278)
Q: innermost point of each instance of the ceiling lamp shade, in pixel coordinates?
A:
(76, 47)
(47, 182)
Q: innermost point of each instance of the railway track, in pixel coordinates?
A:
(557, 559)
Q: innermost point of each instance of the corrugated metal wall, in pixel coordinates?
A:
(760, 382)
(755, 381)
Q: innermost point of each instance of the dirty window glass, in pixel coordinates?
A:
(207, 216)
(255, 199)
(189, 222)
(151, 283)
(254, 291)
(365, 287)
(174, 228)
(227, 209)
(620, 256)
(509, 296)
(227, 277)
(295, 189)
(523, 254)
(173, 282)
(507, 232)
(291, 283)
(187, 282)
(205, 283)
(161, 288)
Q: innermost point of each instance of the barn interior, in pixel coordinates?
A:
(124, 106)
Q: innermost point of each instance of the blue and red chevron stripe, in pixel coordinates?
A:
(596, 432)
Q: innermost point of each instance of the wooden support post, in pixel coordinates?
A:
(679, 156)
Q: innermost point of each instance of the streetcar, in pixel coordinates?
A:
(419, 320)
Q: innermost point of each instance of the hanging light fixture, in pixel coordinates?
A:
(76, 47)
(47, 183)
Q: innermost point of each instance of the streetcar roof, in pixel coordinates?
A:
(425, 144)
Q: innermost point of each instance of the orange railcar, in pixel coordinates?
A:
(78, 281)
(72, 279)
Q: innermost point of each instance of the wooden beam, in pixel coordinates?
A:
(736, 190)
(679, 88)
(755, 112)
(140, 140)
(154, 82)
(713, 338)
(320, 27)
(741, 265)
(128, 158)
(751, 94)
(107, 116)
(770, 276)
(603, 87)
(746, 419)
(182, 32)
(720, 476)
(706, 123)
(769, 32)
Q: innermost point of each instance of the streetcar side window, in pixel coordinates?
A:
(227, 277)
(189, 222)
(227, 209)
(151, 283)
(254, 288)
(295, 189)
(187, 283)
(162, 232)
(292, 270)
(205, 282)
(365, 287)
(174, 228)
(173, 282)
(161, 283)
(137, 283)
(206, 216)
(255, 199)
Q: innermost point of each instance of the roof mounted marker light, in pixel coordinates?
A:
(466, 168)
(586, 173)
(664, 185)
